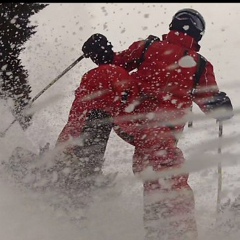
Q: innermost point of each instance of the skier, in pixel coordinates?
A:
(145, 94)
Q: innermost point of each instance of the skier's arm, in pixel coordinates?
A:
(130, 58)
(210, 99)
(99, 49)
(133, 56)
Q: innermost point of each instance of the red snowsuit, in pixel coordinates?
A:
(159, 94)
(162, 86)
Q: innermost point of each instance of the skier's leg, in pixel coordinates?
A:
(168, 202)
(98, 100)
(169, 210)
(83, 154)
(87, 158)
(95, 137)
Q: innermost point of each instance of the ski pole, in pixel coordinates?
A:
(2, 134)
(190, 123)
(220, 133)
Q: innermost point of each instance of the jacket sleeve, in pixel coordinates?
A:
(206, 89)
(130, 58)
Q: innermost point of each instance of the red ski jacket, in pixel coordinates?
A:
(165, 81)
(167, 74)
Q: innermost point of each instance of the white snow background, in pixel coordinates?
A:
(117, 212)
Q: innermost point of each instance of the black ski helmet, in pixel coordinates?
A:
(189, 21)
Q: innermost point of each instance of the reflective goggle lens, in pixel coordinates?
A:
(193, 18)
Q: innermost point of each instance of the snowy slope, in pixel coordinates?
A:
(117, 212)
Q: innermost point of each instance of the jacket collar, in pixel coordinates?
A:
(182, 39)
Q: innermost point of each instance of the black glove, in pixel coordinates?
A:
(220, 107)
(99, 49)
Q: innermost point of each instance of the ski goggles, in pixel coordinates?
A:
(193, 18)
